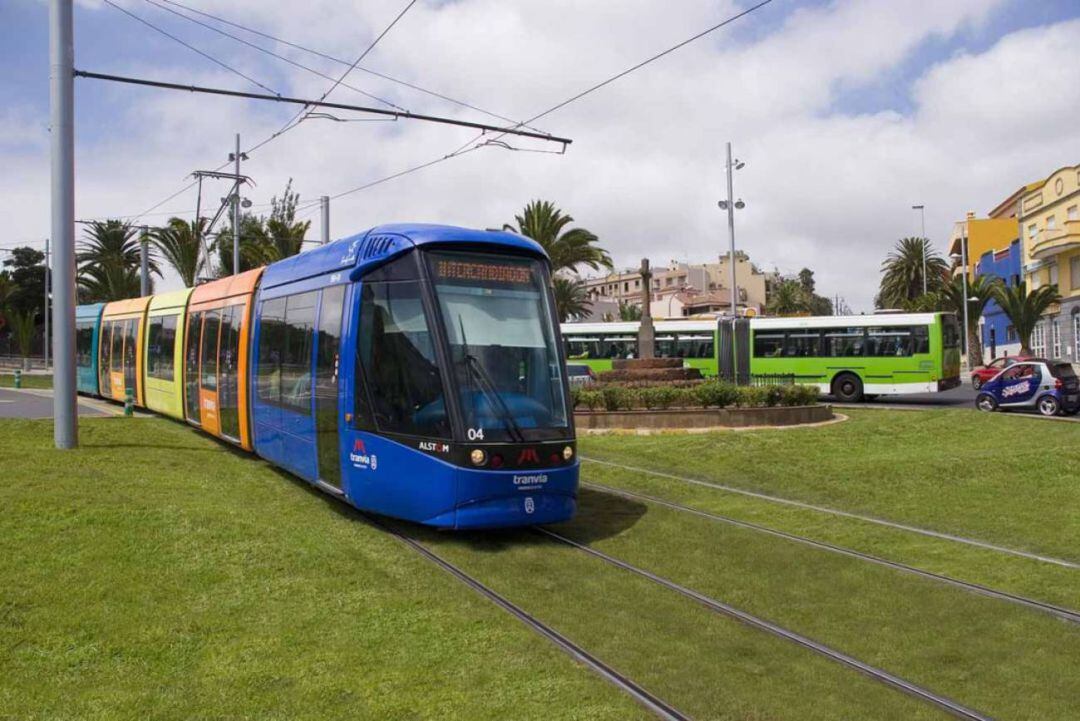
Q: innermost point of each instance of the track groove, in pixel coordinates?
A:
(653, 703)
(1065, 614)
(845, 514)
(956, 709)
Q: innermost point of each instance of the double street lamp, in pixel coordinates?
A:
(961, 257)
(731, 205)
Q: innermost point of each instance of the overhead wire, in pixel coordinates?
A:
(340, 61)
(463, 149)
(271, 53)
(191, 47)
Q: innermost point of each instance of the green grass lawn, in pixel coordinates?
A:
(993, 477)
(157, 573)
(7, 380)
(153, 573)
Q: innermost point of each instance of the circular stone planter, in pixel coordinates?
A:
(691, 418)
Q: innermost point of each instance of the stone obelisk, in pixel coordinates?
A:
(646, 333)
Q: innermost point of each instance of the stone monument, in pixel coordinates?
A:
(646, 340)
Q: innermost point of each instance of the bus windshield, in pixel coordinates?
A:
(500, 328)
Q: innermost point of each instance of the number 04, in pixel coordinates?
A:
(476, 434)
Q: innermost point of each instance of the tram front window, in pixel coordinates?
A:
(499, 324)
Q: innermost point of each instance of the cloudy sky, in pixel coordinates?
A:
(845, 113)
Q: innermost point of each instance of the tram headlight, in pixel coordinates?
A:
(478, 457)
(567, 453)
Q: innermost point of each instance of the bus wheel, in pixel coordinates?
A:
(847, 387)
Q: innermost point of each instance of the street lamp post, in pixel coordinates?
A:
(922, 216)
(962, 257)
(730, 205)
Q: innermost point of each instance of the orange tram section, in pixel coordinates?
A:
(184, 354)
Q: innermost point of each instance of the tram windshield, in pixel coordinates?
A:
(500, 328)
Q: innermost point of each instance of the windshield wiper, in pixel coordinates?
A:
(479, 376)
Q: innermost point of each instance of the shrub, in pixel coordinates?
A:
(659, 396)
(800, 395)
(593, 400)
(714, 394)
(751, 396)
(616, 398)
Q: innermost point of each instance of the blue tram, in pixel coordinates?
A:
(412, 370)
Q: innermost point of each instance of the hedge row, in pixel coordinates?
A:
(712, 394)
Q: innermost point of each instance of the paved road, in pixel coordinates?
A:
(27, 403)
(962, 397)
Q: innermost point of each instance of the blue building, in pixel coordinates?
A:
(998, 335)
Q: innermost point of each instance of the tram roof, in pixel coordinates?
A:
(89, 310)
(372, 247)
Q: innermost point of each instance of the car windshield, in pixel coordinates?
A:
(500, 328)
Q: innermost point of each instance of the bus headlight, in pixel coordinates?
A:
(567, 453)
(478, 457)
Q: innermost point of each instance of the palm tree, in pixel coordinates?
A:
(255, 246)
(571, 299)
(1025, 309)
(109, 262)
(180, 243)
(286, 233)
(980, 291)
(22, 328)
(902, 270)
(629, 311)
(8, 289)
(788, 298)
(544, 223)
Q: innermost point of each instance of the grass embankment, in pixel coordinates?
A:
(153, 573)
(29, 380)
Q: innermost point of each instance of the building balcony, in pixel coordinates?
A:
(1054, 241)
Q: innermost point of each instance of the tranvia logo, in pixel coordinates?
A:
(535, 480)
(530, 506)
(1016, 390)
(360, 458)
(350, 255)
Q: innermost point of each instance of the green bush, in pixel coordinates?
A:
(616, 398)
(592, 400)
(715, 394)
(660, 397)
(752, 396)
(799, 395)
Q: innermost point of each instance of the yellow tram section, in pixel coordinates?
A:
(120, 349)
(163, 353)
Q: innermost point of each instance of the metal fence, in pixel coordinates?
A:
(759, 379)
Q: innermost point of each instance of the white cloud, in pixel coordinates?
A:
(823, 189)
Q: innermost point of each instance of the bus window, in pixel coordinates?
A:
(802, 344)
(666, 346)
(889, 341)
(920, 339)
(950, 332)
(843, 342)
(768, 345)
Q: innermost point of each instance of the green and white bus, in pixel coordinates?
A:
(861, 355)
(850, 357)
(597, 344)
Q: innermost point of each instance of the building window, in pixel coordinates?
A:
(1036, 279)
(1054, 274)
(637, 284)
(1032, 231)
(626, 287)
(1055, 338)
(1051, 222)
(1038, 339)
(1073, 213)
(1074, 273)
(1010, 334)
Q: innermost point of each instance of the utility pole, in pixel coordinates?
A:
(48, 338)
(325, 202)
(922, 216)
(144, 262)
(62, 192)
(730, 205)
(964, 262)
(236, 211)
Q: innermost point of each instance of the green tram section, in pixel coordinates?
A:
(885, 353)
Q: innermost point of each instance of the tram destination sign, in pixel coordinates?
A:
(484, 272)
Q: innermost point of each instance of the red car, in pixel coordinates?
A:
(984, 373)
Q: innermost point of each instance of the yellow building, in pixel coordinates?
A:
(983, 235)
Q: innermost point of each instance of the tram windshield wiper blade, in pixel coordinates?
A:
(494, 399)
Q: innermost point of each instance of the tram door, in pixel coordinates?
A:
(116, 369)
(208, 369)
(327, 365)
(191, 367)
(229, 372)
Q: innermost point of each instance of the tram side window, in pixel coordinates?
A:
(161, 346)
(296, 355)
(228, 366)
(116, 351)
(211, 326)
(843, 342)
(105, 356)
(768, 345)
(84, 344)
(396, 358)
(271, 343)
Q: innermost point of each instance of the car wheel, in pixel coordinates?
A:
(976, 382)
(986, 402)
(1049, 406)
(848, 388)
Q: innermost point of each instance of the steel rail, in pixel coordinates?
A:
(907, 687)
(1066, 614)
(845, 514)
(652, 702)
